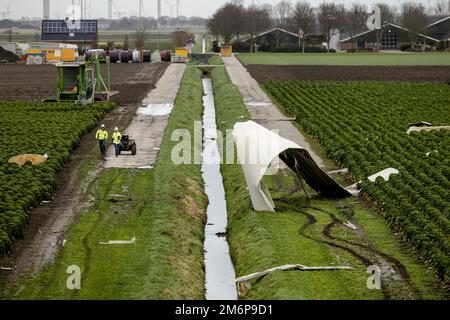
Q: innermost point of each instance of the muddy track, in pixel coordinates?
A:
(368, 250)
(392, 260)
(367, 262)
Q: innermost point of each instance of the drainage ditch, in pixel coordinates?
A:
(219, 269)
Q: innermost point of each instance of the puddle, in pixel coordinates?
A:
(220, 274)
(160, 109)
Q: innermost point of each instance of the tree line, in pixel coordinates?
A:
(234, 20)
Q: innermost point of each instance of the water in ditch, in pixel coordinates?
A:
(219, 269)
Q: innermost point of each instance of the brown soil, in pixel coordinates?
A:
(265, 73)
(44, 234)
(20, 82)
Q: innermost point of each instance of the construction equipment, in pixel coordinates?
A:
(82, 82)
(128, 144)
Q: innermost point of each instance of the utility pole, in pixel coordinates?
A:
(178, 9)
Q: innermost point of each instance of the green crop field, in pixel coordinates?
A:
(344, 59)
(362, 126)
(36, 128)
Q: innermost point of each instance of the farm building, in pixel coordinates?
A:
(439, 28)
(83, 33)
(276, 37)
(393, 38)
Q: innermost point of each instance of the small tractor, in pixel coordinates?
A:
(128, 144)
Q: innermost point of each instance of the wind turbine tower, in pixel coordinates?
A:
(141, 6)
(46, 7)
(110, 9)
(159, 9)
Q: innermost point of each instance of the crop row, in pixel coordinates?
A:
(362, 126)
(36, 128)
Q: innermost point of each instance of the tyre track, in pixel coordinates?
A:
(311, 220)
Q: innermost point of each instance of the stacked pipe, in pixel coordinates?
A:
(126, 56)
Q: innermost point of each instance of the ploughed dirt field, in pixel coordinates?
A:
(47, 223)
(264, 73)
(21, 82)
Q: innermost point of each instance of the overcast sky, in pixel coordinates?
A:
(203, 8)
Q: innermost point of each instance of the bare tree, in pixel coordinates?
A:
(331, 18)
(355, 20)
(303, 19)
(180, 38)
(283, 12)
(228, 21)
(125, 43)
(141, 35)
(414, 18)
(441, 6)
(258, 19)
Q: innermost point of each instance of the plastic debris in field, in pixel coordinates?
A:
(258, 152)
(427, 128)
(35, 159)
(424, 126)
(119, 242)
(385, 174)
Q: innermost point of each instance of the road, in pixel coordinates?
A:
(147, 128)
(261, 108)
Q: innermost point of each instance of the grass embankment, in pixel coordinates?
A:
(163, 208)
(310, 233)
(348, 59)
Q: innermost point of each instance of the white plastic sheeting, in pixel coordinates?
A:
(259, 149)
(428, 128)
(385, 174)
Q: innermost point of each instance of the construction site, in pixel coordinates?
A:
(194, 172)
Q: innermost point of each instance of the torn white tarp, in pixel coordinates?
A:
(418, 129)
(258, 149)
(385, 174)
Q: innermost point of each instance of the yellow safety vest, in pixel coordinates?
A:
(101, 134)
(117, 137)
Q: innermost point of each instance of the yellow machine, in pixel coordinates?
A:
(64, 55)
(182, 52)
(226, 51)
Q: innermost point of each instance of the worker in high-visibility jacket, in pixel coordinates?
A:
(117, 139)
(101, 136)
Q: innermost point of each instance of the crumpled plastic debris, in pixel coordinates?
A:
(35, 159)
